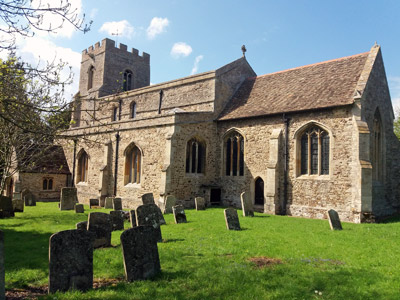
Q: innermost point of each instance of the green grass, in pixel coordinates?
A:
(203, 260)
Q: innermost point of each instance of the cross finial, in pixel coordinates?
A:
(116, 34)
(244, 50)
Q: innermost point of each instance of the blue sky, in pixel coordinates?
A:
(185, 37)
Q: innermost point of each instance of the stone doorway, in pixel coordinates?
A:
(215, 196)
(259, 191)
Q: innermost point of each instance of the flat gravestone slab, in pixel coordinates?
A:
(200, 203)
(132, 218)
(93, 202)
(117, 220)
(247, 205)
(179, 214)
(117, 204)
(18, 205)
(100, 224)
(6, 207)
(29, 198)
(68, 198)
(2, 270)
(79, 208)
(140, 253)
(334, 220)
(148, 198)
(149, 215)
(81, 225)
(170, 201)
(108, 202)
(71, 261)
(231, 219)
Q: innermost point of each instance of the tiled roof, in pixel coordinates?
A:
(327, 84)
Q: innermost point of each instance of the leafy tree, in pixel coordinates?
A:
(396, 124)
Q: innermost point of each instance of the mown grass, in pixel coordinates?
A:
(203, 260)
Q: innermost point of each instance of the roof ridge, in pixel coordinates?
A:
(310, 65)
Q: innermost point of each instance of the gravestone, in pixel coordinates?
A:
(334, 220)
(68, 198)
(132, 218)
(29, 198)
(6, 207)
(247, 205)
(125, 215)
(79, 208)
(71, 261)
(169, 202)
(2, 270)
(117, 220)
(81, 225)
(102, 201)
(117, 204)
(148, 198)
(108, 202)
(149, 215)
(140, 253)
(18, 205)
(200, 203)
(100, 224)
(179, 214)
(231, 219)
(93, 202)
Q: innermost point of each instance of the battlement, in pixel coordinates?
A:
(109, 45)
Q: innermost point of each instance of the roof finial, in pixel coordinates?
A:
(244, 50)
(376, 44)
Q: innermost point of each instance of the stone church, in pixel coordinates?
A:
(299, 142)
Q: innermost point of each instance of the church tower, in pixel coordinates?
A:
(107, 70)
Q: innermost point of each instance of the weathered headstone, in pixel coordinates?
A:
(170, 201)
(68, 198)
(93, 202)
(179, 214)
(100, 224)
(6, 207)
(334, 220)
(148, 198)
(81, 225)
(231, 219)
(247, 205)
(140, 253)
(132, 218)
(149, 215)
(29, 198)
(2, 270)
(108, 202)
(79, 208)
(102, 201)
(18, 205)
(71, 261)
(117, 220)
(117, 204)
(200, 203)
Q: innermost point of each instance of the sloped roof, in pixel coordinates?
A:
(322, 85)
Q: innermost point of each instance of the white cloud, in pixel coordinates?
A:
(122, 28)
(181, 49)
(196, 64)
(93, 13)
(157, 26)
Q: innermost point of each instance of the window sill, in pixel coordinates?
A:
(314, 177)
(133, 186)
(82, 183)
(47, 191)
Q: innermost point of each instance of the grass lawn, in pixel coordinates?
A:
(203, 260)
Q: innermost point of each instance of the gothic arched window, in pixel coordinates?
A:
(133, 161)
(127, 86)
(83, 162)
(195, 156)
(314, 152)
(90, 77)
(133, 110)
(234, 154)
(114, 116)
(377, 155)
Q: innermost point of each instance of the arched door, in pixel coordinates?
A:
(259, 192)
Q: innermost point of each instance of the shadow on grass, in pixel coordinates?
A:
(172, 240)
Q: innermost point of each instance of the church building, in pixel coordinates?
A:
(299, 142)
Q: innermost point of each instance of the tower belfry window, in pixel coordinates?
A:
(90, 77)
(127, 86)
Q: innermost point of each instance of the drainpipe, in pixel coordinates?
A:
(116, 163)
(119, 109)
(73, 165)
(286, 165)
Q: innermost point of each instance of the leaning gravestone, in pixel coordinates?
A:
(108, 202)
(100, 224)
(179, 214)
(231, 219)
(247, 205)
(149, 215)
(117, 220)
(71, 261)
(200, 203)
(29, 198)
(93, 202)
(81, 225)
(140, 253)
(2, 271)
(169, 202)
(18, 205)
(79, 208)
(117, 204)
(6, 207)
(334, 220)
(148, 198)
(68, 198)
(132, 218)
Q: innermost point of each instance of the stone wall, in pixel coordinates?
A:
(34, 182)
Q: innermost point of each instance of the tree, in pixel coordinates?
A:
(396, 124)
